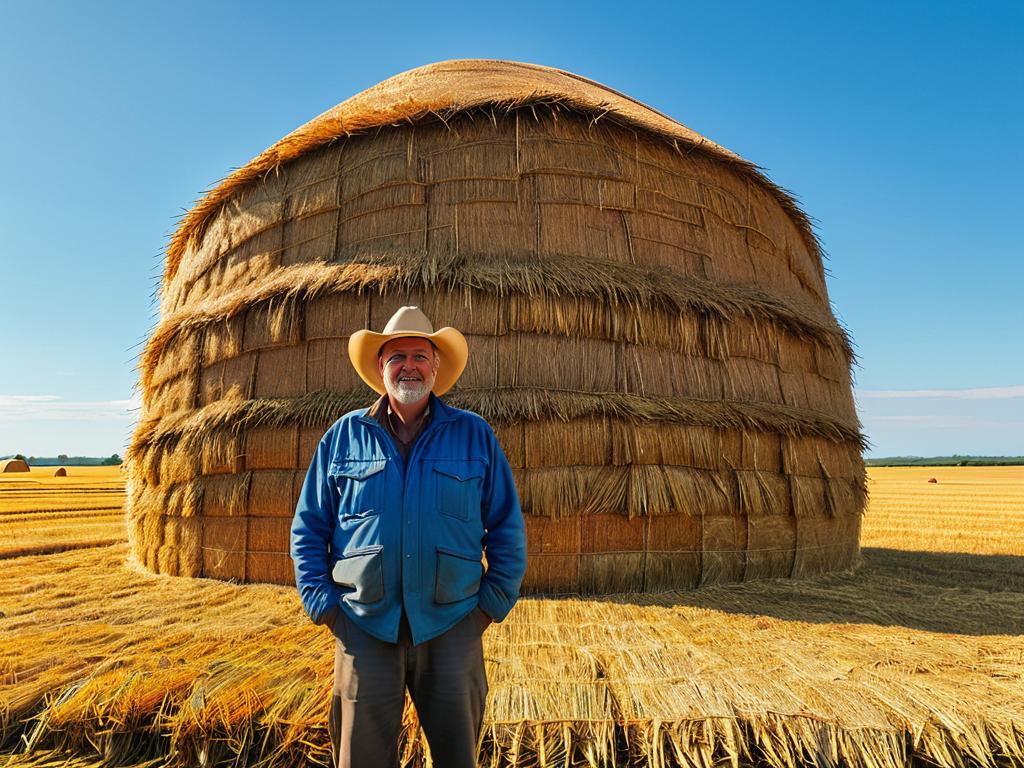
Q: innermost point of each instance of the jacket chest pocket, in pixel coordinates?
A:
(360, 485)
(459, 486)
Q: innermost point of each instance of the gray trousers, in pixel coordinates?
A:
(446, 681)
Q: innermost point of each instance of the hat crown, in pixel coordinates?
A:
(409, 319)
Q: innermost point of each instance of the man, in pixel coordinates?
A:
(400, 502)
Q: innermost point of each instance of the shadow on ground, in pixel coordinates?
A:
(953, 593)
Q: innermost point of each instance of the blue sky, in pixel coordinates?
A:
(899, 128)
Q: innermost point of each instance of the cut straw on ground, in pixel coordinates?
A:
(918, 658)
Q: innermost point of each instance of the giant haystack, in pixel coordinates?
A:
(648, 324)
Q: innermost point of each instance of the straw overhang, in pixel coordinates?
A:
(651, 299)
(502, 407)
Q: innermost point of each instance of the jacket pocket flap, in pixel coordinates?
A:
(357, 469)
(458, 575)
(361, 571)
(460, 470)
(475, 557)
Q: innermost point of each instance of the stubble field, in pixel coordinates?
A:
(915, 658)
(42, 514)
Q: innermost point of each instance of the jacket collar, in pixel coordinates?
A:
(440, 410)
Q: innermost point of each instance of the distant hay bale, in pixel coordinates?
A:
(649, 329)
(61, 472)
(14, 465)
(932, 480)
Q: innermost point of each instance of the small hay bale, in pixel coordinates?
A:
(61, 472)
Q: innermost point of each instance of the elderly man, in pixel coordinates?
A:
(400, 502)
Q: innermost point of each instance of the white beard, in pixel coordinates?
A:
(408, 392)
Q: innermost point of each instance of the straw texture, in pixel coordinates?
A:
(648, 324)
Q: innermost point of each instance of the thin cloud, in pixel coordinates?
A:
(56, 408)
(981, 393)
(949, 421)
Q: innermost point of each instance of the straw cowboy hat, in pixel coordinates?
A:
(363, 347)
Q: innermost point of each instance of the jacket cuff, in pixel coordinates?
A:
(330, 616)
(493, 602)
(328, 607)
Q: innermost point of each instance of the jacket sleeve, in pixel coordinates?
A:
(505, 545)
(312, 529)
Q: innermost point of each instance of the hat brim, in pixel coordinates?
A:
(363, 347)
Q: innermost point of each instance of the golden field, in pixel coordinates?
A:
(41, 514)
(915, 658)
(976, 510)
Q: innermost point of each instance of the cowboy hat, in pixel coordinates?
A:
(364, 346)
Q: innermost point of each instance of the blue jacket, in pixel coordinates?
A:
(372, 535)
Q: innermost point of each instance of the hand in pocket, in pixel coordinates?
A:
(484, 620)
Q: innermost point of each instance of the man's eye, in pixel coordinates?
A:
(421, 358)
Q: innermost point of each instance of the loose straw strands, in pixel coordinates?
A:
(620, 289)
(511, 405)
(884, 668)
(497, 406)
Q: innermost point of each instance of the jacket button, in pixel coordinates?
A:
(408, 556)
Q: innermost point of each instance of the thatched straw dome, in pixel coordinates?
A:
(649, 332)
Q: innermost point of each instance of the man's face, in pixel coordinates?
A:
(408, 367)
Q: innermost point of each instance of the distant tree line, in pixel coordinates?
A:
(81, 461)
(946, 461)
